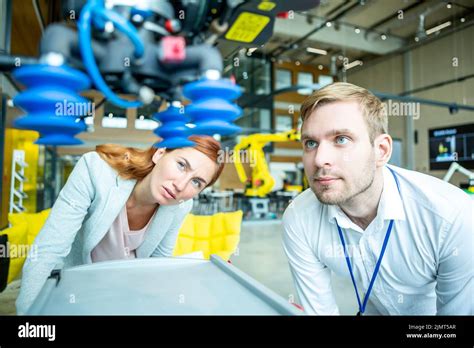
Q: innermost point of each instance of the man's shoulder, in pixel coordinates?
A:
(434, 194)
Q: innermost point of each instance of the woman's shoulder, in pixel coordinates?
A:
(96, 164)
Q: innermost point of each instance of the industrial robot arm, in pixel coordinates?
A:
(146, 49)
(261, 181)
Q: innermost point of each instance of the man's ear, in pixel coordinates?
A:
(158, 154)
(383, 149)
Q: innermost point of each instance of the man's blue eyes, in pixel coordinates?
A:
(340, 140)
(345, 140)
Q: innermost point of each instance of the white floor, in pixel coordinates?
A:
(261, 256)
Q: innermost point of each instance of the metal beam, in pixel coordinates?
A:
(344, 37)
(394, 15)
(5, 33)
(309, 30)
(409, 121)
(430, 39)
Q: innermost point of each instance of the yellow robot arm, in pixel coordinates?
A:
(261, 182)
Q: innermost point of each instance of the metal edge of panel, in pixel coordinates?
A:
(266, 294)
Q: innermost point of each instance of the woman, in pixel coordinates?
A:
(120, 203)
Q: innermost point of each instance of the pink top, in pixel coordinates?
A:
(119, 242)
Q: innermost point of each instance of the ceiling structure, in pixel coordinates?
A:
(349, 30)
(345, 30)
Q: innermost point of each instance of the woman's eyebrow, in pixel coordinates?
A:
(187, 163)
(191, 169)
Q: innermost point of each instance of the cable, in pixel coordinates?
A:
(39, 16)
(85, 24)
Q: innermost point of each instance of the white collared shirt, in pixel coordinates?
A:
(428, 264)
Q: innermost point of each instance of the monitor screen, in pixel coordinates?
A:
(451, 144)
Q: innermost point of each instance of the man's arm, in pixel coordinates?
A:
(312, 278)
(455, 266)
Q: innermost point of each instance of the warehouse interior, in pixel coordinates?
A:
(416, 56)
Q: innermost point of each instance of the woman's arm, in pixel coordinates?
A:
(167, 244)
(55, 239)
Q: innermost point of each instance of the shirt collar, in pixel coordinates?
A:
(390, 205)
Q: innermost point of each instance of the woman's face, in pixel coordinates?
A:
(180, 175)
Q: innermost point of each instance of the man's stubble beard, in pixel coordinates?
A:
(365, 181)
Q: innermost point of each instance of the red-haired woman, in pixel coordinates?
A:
(120, 203)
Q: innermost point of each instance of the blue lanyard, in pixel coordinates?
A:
(379, 261)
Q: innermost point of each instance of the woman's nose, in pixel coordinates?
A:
(180, 183)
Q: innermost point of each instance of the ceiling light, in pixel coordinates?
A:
(449, 5)
(357, 30)
(463, 20)
(328, 24)
(383, 37)
(353, 64)
(316, 51)
(320, 67)
(438, 28)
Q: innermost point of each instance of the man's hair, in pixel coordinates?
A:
(372, 108)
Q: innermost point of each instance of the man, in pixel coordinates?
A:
(404, 238)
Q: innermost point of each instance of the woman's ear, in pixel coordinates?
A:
(158, 154)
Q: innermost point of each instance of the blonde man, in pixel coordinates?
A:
(404, 238)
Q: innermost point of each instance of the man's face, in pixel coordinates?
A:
(338, 158)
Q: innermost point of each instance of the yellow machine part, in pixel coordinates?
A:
(17, 240)
(16, 139)
(214, 234)
(294, 188)
(261, 182)
(21, 235)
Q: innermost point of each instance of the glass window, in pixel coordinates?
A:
(283, 123)
(305, 79)
(255, 118)
(283, 78)
(300, 123)
(325, 80)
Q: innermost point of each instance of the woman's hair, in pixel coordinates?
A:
(133, 163)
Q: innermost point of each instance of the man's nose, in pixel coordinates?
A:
(324, 156)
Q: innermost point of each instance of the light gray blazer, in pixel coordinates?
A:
(85, 209)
